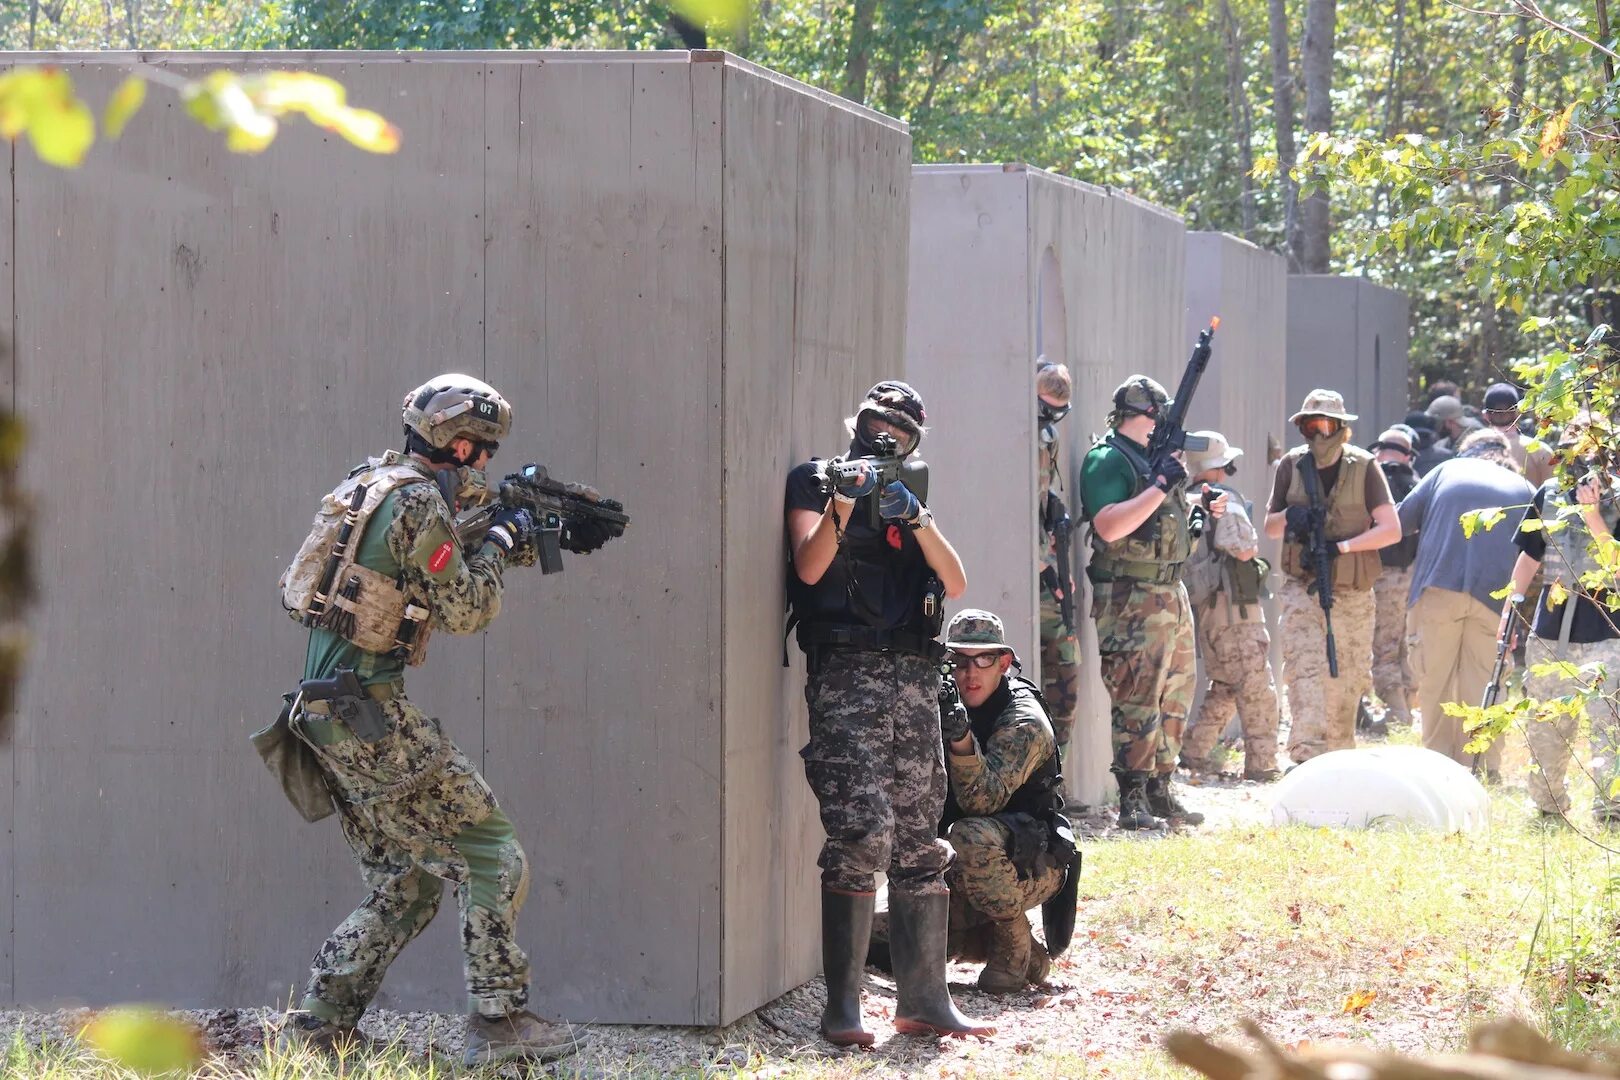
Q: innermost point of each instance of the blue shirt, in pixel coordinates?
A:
(1446, 559)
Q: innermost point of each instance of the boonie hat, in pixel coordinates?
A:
(1328, 403)
(1219, 454)
(973, 628)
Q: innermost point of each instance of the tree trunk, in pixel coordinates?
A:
(107, 16)
(131, 13)
(1242, 118)
(33, 21)
(1490, 331)
(1315, 214)
(1392, 97)
(859, 60)
(1032, 23)
(1282, 104)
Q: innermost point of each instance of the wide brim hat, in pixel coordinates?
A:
(1328, 403)
(1219, 455)
(974, 628)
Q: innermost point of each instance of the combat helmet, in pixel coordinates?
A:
(454, 406)
(1140, 395)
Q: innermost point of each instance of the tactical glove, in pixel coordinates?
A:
(1167, 466)
(857, 488)
(1298, 521)
(512, 530)
(897, 503)
(584, 535)
(953, 717)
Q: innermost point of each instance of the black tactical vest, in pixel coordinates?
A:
(1401, 480)
(1041, 795)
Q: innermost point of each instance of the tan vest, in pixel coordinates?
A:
(1347, 516)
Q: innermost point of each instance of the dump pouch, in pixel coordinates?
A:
(294, 765)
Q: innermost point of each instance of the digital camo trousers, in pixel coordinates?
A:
(1393, 678)
(1145, 637)
(1060, 668)
(444, 826)
(1238, 660)
(1552, 742)
(1322, 709)
(876, 764)
(985, 877)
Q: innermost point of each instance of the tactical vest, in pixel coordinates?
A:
(1039, 796)
(1158, 547)
(1216, 580)
(1347, 516)
(1569, 555)
(369, 609)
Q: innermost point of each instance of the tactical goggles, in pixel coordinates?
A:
(1051, 414)
(983, 661)
(867, 428)
(1502, 417)
(1397, 447)
(1319, 425)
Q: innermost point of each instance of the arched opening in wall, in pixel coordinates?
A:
(1051, 315)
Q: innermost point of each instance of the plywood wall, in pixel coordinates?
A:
(207, 342)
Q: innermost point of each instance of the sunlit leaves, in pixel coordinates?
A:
(147, 1042)
(39, 102)
(123, 105)
(247, 108)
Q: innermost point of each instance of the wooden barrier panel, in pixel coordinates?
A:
(206, 342)
(1350, 335)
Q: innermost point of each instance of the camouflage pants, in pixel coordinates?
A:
(1322, 709)
(1060, 668)
(985, 877)
(416, 814)
(1551, 742)
(1145, 636)
(1238, 660)
(1393, 679)
(876, 764)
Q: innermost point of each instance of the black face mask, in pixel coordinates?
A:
(1051, 414)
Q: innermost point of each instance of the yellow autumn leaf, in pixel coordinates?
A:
(123, 105)
(730, 14)
(62, 132)
(1359, 1000)
(1556, 594)
(1552, 135)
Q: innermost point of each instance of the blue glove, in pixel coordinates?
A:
(512, 530)
(897, 503)
(853, 487)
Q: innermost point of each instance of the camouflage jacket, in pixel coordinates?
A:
(1012, 739)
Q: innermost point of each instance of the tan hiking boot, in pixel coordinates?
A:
(1007, 970)
(1040, 964)
(518, 1036)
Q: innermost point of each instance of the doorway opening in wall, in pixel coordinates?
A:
(1051, 316)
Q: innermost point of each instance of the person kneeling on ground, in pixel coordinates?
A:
(1014, 848)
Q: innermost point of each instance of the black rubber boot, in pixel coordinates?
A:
(1161, 799)
(846, 931)
(1133, 805)
(918, 926)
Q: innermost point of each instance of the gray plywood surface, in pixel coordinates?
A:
(970, 353)
(555, 226)
(8, 788)
(1348, 334)
(801, 345)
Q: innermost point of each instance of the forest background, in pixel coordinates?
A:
(1189, 103)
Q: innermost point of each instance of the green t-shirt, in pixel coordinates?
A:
(1106, 478)
(327, 651)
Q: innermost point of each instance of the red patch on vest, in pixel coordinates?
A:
(894, 537)
(441, 557)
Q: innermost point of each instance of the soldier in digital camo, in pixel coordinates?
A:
(1060, 651)
(1140, 538)
(1226, 580)
(415, 811)
(865, 599)
(1014, 849)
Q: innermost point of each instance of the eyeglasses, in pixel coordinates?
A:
(1319, 425)
(982, 661)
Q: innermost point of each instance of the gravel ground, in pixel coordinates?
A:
(1085, 1010)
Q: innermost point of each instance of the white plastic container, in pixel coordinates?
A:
(1382, 785)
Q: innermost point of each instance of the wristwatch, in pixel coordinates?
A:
(924, 520)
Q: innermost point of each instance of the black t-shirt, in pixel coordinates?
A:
(879, 576)
(1591, 621)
